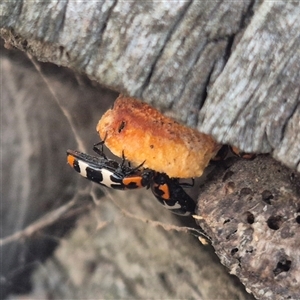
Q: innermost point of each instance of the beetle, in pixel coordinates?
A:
(170, 193)
(121, 176)
(107, 172)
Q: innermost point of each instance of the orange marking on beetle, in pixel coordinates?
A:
(71, 159)
(165, 189)
(129, 180)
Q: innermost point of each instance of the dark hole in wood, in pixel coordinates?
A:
(267, 196)
(274, 222)
(226, 221)
(298, 219)
(234, 251)
(245, 191)
(230, 186)
(283, 265)
(249, 217)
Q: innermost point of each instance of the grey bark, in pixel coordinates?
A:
(229, 68)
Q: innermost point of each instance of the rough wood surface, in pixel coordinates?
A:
(251, 210)
(240, 60)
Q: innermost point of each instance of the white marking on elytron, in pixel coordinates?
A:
(175, 206)
(105, 174)
(106, 178)
(82, 166)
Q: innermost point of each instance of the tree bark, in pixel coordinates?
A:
(231, 69)
(253, 219)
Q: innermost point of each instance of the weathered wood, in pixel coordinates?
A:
(229, 68)
(254, 103)
(133, 47)
(180, 56)
(253, 219)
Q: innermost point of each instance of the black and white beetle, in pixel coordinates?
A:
(121, 176)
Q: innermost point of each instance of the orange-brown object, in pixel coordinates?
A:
(144, 134)
(236, 151)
